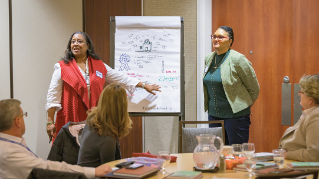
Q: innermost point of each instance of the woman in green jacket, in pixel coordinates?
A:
(230, 87)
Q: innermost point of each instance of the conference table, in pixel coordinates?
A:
(185, 162)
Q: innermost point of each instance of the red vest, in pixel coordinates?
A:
(75, 100)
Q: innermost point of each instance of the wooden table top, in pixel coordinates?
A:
(185, 162)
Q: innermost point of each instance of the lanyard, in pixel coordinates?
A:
(7, 140)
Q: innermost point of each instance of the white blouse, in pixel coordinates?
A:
(112, 76)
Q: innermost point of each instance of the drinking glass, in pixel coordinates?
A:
(238, 150)
(279, 157)
(228, 150)
(163, 159)
(248, 148)
(250, 162)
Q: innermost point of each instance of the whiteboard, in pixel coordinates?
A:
(149, 48)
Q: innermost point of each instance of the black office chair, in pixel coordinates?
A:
(187, 136)
(38, 173)
(295, 175)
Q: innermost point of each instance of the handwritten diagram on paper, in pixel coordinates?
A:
(154, 58)
(124, 59)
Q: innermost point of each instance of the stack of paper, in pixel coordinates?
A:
(304, 165)
(135, 173)
(259, 166)
(265, 156)
(185, 175)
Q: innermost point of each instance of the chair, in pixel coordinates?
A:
(187, 136)
(38, 173)
(66, 145)
(299, 175)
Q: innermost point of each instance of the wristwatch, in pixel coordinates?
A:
(143, 85)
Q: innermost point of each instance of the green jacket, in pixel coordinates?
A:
(238, 78)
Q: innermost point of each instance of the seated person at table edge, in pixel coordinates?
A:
(105, 124)
(301, 140)
(16, 159)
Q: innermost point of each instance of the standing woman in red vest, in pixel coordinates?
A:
(78, 81)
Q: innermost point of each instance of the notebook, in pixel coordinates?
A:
(304, 165)
(259, 166)
(185, 175)
(135, 173)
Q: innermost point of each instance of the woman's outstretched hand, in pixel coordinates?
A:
(152, 88)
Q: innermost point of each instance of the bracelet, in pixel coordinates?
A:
(143, 85)
(48, 123)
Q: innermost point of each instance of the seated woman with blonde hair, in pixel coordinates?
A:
(301, 140)
(105, 124)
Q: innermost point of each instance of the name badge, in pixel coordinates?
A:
(206, 68)
(99, 74)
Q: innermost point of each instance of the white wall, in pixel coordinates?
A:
(41, 30)
(4, 50)
(204, 46)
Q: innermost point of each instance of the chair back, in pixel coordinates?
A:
(39, 173)
(187, 136)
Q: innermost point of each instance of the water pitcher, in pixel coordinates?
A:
(206, 155)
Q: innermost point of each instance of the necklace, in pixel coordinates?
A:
(219, 62)
(86, 73)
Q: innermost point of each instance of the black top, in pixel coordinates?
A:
(96, 150)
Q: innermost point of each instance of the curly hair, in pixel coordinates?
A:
(110, 117)
(310, 85)
(90, 52)
(230, 33)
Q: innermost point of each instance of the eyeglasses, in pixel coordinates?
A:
(218, 37)
(77, 41)
(26, 115)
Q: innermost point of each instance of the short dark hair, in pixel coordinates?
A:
(229, 31)
(90, 52)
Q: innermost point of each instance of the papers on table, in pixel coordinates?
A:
(265, 156)
(115, 168)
